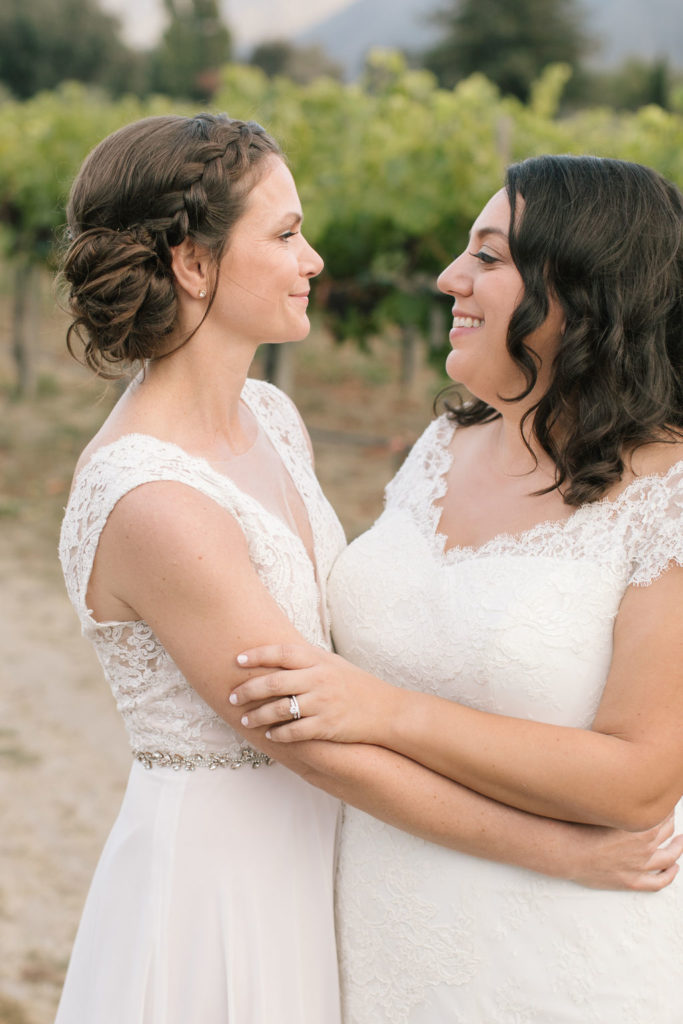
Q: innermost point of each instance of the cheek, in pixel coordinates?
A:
(547, 339)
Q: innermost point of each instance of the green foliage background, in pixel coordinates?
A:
(391, 171)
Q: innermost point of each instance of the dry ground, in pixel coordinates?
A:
(63, 753)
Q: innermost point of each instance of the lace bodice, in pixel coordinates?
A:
(644, 522)
(520, 626)
(162, 713)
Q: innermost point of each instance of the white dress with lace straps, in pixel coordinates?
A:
(521, 626)
(212, 900)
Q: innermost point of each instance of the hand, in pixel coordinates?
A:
(609, 858)
(336, 700)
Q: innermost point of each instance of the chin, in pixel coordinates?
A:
(456, 372)
(293, 334)
(302, 332)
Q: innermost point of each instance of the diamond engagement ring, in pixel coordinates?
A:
(294, 708)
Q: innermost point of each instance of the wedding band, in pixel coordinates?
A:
(294, 708)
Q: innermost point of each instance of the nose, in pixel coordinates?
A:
(311, 261)
(455, 279)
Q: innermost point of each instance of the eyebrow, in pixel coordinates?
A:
(490, 231)
(291, 218)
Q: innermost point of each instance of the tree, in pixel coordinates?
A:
(45, 42)
(391, 172)
(509, 42)
(194, 47)
(302, 64)
(631, 85)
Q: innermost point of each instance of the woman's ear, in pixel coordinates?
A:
(190, 264)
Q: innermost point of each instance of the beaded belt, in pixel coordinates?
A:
(155, 758)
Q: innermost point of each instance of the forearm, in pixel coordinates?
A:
(543, 769)
(536, 767)
(414, 799)
(626, 771)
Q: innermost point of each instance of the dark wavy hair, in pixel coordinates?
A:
(605, 239)
(141, 191)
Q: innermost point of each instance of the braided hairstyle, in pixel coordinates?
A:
(139, 193)
(605, 238)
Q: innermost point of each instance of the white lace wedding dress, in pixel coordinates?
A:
(213, 898)
(520, 626)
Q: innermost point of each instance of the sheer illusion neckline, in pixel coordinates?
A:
(438, 464)
(209, 466)
(279, 446)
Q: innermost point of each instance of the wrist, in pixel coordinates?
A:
(563, 854)
(401, 720)
(378, 702)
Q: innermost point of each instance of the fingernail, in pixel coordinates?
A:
(244, 720)
(233, 698)
(242, 659)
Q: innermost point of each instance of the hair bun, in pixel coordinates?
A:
(140, 193)
(121, 294)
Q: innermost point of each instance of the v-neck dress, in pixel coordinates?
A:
(213, 897)
(521, 626)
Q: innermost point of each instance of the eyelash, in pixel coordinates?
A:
(484, 257)
(286, 235)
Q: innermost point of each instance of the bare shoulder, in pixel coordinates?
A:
(175, 519)
(655, 458)
(167, 543)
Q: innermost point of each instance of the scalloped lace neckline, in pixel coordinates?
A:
(525, 540)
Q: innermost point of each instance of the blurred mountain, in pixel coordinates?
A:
(622, 28)
(252, 22)
(633, 28)
(349, 34)
(347, 29)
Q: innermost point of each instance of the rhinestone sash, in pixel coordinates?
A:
(160, 759)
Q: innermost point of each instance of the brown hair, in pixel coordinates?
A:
(139, 193)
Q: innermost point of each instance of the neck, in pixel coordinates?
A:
(511, 454)
(195, 392)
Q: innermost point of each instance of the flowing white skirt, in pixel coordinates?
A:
(212, 902)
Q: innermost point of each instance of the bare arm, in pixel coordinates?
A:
(409, 797)
(633, 749)
(174, 558)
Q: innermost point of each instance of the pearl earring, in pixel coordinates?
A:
(202, 294)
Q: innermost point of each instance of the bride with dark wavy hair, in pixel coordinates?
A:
(514, 619)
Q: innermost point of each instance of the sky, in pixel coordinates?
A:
(250, 22)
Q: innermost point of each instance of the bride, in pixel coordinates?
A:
(515, 616)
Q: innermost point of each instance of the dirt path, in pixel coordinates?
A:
(63, 765)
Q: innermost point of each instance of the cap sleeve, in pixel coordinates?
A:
(656, 527)
(113, 471)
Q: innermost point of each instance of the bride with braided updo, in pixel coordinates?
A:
(196, 529)
(195, 517)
